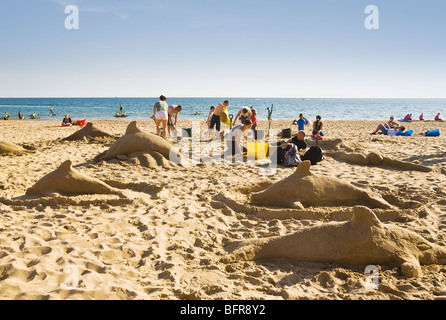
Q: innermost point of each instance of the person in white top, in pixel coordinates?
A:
(234, 141)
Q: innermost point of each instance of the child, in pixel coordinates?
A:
(254, 119)
(211, 113)
(301, 123)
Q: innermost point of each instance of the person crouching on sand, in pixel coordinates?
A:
(172, 113)
(234, 141)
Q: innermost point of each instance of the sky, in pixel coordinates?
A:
(230, 48)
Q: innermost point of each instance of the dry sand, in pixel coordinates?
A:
(168, 236)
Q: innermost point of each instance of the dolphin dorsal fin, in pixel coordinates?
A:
(363, 217)
(132, 128)
(303, 168)
(66, 166)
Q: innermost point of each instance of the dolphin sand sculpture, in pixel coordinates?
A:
(7, 148)
(136, 140)
(303, 188)
(363, 240)
(88, 133)
(67, 181)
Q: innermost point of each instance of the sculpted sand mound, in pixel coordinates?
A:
(67, 181)
(7, 148)
(135, 142)
(363, 157)
(306, 189)
(363, 240)
(90, 133)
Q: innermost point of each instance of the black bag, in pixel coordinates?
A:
(314, 155)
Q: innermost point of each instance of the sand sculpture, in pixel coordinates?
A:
(137, 142)
(363, 157)
(363, 240)
(7, 148)
(67, 181)
(303, 188)
(354, 153)
(89, 133)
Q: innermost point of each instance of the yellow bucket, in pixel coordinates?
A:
(258, 150)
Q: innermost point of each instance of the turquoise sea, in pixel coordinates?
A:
(198, 108)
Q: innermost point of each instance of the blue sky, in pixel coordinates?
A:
(210, 48)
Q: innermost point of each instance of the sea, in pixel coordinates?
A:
(198, 108)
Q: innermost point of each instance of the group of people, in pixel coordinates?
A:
(390, 127)
(408, 118)
(164, 116)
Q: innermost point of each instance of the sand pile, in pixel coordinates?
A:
(355, 153)
(306, 189)
(7, 148)
(145, 149)
(90, 133)
(67, 181)
(363, 240)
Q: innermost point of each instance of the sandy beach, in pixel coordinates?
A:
(169, 231)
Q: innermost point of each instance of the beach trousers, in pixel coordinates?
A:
(215, 122)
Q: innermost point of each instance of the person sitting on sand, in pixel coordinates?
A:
(161, 116)
(234, 140)
(244, 114)
(318, 125)
(66, 122)
(421, 117)
(284, 146)
(6, 116)
(299, 140)
(172, 112)
(408, 118)
(391, 124)
(437, 117)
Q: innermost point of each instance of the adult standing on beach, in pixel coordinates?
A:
(173, 113)
(160, 115)
(215, 121)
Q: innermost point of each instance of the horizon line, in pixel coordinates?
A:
(213, 97)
